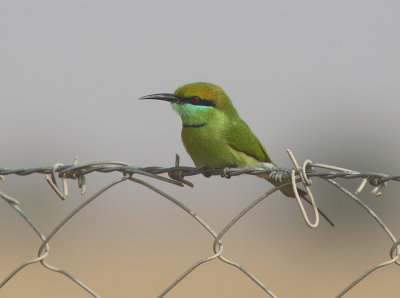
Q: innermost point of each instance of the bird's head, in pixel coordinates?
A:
(195, 102)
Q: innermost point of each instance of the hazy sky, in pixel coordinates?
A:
(319, 77)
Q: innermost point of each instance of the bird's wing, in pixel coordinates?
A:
(240, 137)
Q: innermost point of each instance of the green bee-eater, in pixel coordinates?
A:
(213, 133)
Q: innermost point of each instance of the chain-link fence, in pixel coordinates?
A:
(177, 174)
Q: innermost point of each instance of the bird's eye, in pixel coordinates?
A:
(195, 99)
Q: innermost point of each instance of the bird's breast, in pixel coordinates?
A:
(208, 147)
(204, 144)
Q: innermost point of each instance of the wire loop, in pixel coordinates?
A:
(177, 174)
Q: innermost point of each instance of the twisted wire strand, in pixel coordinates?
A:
(75, 171)
(176, 176)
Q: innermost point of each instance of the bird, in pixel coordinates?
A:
(214, 135)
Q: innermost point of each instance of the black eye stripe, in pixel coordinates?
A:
(198, 101)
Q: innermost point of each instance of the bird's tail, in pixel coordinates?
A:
(289, 192)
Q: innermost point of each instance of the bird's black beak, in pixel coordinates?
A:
(163, 96)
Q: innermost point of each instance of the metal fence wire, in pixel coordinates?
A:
(298, 174)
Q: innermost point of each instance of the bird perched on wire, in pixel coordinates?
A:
(213, 133)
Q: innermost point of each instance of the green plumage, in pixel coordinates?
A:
(240, 138)
(213, 133)
(225, 140)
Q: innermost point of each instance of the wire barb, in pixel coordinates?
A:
(361, 187)
(177, 176)
(306, 182)
(51, 179)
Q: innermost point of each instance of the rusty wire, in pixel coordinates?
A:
(177, 176)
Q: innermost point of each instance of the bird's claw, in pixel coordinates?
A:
(205, 172)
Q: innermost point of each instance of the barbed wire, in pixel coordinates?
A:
(177, 174)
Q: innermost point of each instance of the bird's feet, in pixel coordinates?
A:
(208, 172)
(205, 172)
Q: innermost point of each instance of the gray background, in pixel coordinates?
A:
(318, 77)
